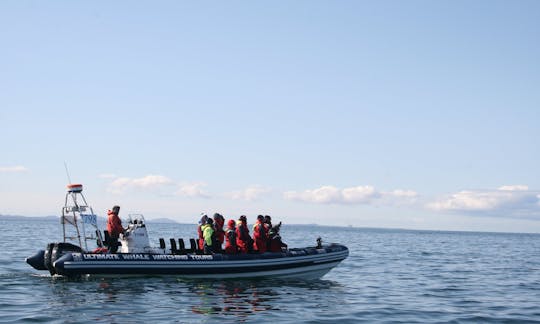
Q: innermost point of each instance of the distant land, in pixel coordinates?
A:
(162, 220)
(56, 218)
(18, 217)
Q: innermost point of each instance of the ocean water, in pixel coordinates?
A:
(390, 276)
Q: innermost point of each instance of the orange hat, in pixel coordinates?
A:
(231, 223)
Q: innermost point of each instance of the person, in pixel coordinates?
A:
(202, 222)
(268, 222)
(209, 237)
(260, 236)
(230, 238)
(243, 240)
(267, 227)
(276, 244)
(218, 228)
(114, 227)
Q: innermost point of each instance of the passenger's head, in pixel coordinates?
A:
(267, 219)
(243, 218)
(116, 210)
(260, 218)
(231, 223)
(209, 221)
(203, 220)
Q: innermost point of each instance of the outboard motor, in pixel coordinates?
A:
(135, 239)
(54, 252)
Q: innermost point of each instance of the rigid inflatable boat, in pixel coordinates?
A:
(137, 257)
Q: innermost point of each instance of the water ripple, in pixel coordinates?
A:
(390, 276)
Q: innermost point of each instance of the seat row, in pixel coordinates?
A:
(181, 247)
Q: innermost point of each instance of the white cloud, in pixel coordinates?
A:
(514, 200)
(359, 194)
(514, 188)
(193, 189)
(251, 193)
(352, 195)
(322, 195)
(17, 168)
(149, 182)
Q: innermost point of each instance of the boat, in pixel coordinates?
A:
(73, 258)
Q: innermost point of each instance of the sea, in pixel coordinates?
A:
(390, 276)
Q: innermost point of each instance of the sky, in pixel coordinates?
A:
(392, 114)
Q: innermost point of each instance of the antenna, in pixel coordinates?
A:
(67, 172)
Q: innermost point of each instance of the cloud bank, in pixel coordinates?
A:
(154, 183)
(352, 196)
(508, 200)
(13, 169)
(149, 182)
(514, 201)
(193, 190)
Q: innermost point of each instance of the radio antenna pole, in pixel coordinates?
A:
(67, 172)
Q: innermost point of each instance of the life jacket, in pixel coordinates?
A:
(230, 241)
(276, 244)
(267, 228)
(201, 237)
(114, 225)
(208, 234)
(218, 226)
(260, 236)
(243, 240)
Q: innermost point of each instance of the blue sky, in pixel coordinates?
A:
(416, 114)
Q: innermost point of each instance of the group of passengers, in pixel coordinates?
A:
(236, 236)
(212, 236)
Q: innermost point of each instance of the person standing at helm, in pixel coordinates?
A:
(260, 235)
(243, 240)
(230, 238)
(114, 227)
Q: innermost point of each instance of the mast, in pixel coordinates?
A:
(77, 213)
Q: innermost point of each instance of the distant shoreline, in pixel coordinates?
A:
(103, 219)
(170, 221)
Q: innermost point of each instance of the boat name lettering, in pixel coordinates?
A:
(201, 257)
(161, 257)
(135, 257)
(101, 256)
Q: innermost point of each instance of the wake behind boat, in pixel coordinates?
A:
(137, 257)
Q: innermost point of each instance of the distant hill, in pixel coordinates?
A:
(162, 220)
(57, 218)
(18, 217)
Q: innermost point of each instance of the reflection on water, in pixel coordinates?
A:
(246, 297)
(233, 299)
